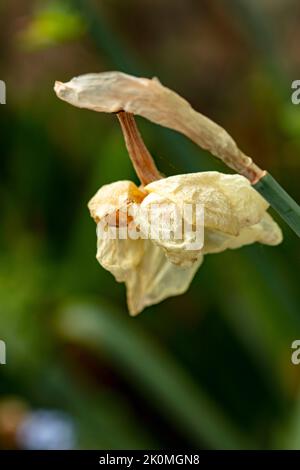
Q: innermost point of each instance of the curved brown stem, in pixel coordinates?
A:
(141, 159)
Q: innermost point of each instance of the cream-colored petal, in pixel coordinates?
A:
(119, 256)
(266, 231)
(156, 279)
(234, 213)
(115, 91)
(171, 229)
(113, 197)
(147, 273)
(248, 205)
(230, 203)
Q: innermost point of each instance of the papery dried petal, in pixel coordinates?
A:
(119, 256)
(113, 197)
(156, 279)
(266, 231)
(234, 214)
(165, 223)
(147, 273)
(230, 203)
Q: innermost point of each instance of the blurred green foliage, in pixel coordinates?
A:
(52, 24)
(210, 369)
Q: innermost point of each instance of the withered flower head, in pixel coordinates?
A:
(156, 267)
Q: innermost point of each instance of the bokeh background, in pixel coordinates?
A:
(210, 369)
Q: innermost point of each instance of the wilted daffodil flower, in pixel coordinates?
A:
(148, 273)
(156, 268)
(154, 237)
